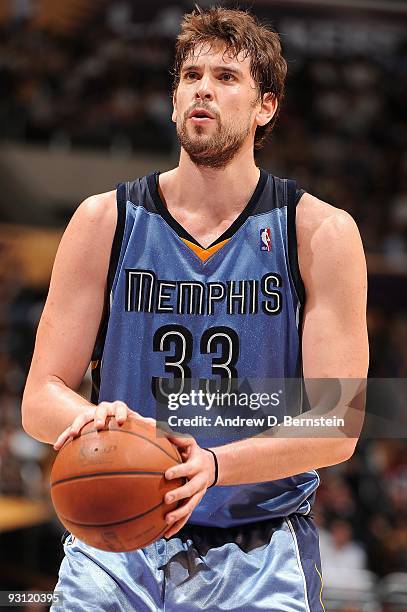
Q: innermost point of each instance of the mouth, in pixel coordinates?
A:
(200, 120)
(200, 115)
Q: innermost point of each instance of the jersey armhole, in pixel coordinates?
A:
(121, 198)
(293, 197)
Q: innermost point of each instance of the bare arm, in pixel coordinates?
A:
(70, 320)
(335, 345)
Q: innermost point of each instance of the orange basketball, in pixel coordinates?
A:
(108, 486)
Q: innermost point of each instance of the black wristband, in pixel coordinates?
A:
(216, 467)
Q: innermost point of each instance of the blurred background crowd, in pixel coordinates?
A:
(94, 78)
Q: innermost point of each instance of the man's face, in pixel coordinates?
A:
(223, 87)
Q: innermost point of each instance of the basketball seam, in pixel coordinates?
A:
(93, 474)
(150, 541)
(127, 520)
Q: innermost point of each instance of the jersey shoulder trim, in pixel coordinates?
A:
(292, 197)
(121, 200)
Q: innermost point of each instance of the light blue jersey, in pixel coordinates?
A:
(229, 317)
(217, 316)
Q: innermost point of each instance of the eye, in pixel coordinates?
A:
(189, 76)
(229, 75)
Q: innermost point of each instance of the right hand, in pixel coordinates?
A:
(98, 414)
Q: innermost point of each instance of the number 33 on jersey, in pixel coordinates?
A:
(177, 311)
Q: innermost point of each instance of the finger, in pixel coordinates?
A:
(187, 490)
(101, 414)
(183, 441)
(62, 438)
(72, 430)
(185, 508)
(176, 527)
(182, 470)
(184, 511)
(121, 412)
(80, 422)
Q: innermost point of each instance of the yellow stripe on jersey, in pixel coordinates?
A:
(204, 254)
(322, 586)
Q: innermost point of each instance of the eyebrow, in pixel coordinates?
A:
(215, 69)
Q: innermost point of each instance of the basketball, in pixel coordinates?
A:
(108, 485)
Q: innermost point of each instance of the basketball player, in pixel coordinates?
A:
(215, 269)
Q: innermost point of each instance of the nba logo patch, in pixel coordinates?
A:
(265, 239)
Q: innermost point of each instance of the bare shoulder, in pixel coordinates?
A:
(93, 224)
(321, 220)
(100, 208)
(86, 244)
(324, 231)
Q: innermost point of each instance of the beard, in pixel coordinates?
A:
(214, 150)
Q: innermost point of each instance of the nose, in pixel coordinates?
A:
(204, 89)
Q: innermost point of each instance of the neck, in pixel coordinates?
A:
(211, 191)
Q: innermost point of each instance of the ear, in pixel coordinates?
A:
(267, 109)
(174, 107)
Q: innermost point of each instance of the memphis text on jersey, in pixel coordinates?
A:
(146, 293)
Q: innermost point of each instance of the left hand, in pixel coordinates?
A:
(199, 469)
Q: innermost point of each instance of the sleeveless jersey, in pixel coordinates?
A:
(178, 313)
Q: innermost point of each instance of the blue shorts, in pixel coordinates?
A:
(270, 565)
